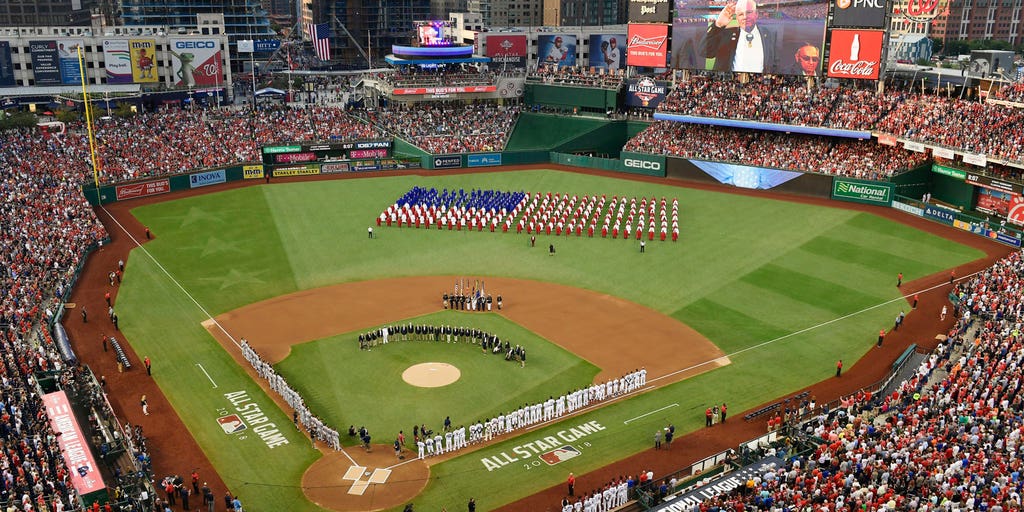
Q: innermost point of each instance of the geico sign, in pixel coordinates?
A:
(187, 45)
(642, 164)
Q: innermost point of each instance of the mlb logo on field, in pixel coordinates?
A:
(231, 424)
(559, 454)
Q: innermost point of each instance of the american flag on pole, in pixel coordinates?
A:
(320, 35)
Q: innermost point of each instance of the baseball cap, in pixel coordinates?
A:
(613, 40)
(558, 39)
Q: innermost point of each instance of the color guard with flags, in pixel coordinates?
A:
(320, 35)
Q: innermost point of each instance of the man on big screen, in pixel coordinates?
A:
(745, 48)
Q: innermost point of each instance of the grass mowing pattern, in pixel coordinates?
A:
(743, 273)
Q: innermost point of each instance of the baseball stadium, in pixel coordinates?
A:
(551, 287)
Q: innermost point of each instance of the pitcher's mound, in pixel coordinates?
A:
(431, 375)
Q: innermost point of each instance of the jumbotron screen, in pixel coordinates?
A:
(782, 37)
(431, 33)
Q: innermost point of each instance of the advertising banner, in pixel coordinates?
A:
(859, 14)
(366, 165)
(252, 172)
(203, 179)
(855, 54)
(1016, 212)
(916, 147)
(67, 52)
(943, 153)
(507, 50)
(766, 38)
(444, 90)
(979, 160)
(143, 56)
(368, 153)
(939, 213)
(645, 92)
(371, 144)
(149, 188)
(266, 45)
(118, 61)
(644, 163)
(6, 65)
(85, 474)
(195, 62)
(980, 180)
(650, 11)
(1005, 238)
(556, 50)
(483, 160)
(334, 167)
(994, 202)
(860, 191)
(887, 140)
(648, 46)
(447, 161)
(273, 150)
(606, 51)
(949, 171)
(45, 62)
(291, 158)
(297, 170)
(695, 497)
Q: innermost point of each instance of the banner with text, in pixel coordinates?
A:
(67, 52)
(861, 191)
(940, 213)
(650, 11)
(507, 50)
(45, 62)
(855, 54)
(859, 14)
(149, 188)
(74, 446)
(196, 62)
(6, 65)
(646, 92)
(117, 61)
(444, 90)
(647, 45)
(143, 55)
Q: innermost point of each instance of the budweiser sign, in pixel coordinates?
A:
(647, 45)
(855, 54)
(859, 69)
(650, 43)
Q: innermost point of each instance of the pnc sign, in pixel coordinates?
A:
(859, 13)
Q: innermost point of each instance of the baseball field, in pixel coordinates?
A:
(759, 297)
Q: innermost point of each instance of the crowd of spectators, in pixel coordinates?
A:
(577, 76)
(961, 124)
(946, 438)
(805, 153)
(449, 127)
(47, 229)
(1013, 92)
(173, 141)
(414, 76)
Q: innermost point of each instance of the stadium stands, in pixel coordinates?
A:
(449, 128)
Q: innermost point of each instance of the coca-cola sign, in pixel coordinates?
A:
(855, 54)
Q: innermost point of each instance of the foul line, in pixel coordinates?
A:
(650, 413)
(807, 329)
(190, 297)
(207, 375)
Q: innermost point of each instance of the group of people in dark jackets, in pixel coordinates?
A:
(470, 302)
(489, 343)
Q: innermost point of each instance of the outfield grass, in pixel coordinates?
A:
(377, 397)
(746, 271)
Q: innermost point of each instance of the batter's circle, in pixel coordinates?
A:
(431, 375)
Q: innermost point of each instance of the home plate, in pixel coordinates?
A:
(358, 487)
(380, 476)
(354, 473)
